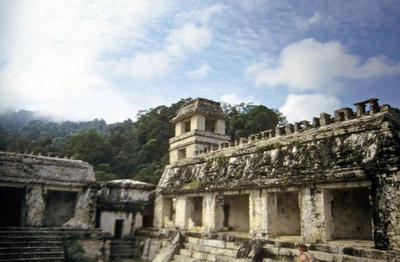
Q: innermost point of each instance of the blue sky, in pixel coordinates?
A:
(80, 60)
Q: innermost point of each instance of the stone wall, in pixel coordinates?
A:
(354, 152)
(47, 185)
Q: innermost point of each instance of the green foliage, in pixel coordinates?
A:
(193, 184)
(90, 147)
(73, 250)
(131, 149)
(248, 119)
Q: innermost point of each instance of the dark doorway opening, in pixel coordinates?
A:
(118, 228)
(12, 199)
(226, 215)
(148, 220)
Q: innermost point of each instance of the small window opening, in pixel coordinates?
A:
(187, 126)
(210, 125)
(181, 154)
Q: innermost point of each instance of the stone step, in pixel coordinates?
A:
(13, 249)
(58, 229)
(181, 258)
(199, 249)
(121, 249)
(21, 238)
(5, 244)
(211, 250)
(32, 254)
(50, 259)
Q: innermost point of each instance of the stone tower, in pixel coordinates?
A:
(199, 128)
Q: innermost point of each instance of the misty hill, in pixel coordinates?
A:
(131, 149)
(30, 126)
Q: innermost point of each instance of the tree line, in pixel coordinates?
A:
(131, 149)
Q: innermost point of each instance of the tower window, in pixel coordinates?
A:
(187, 126)
(210, 125)
(181, 154)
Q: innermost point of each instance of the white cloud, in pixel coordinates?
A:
(235, 99)
(180, 42)
(303, 24)
(199, 72)
(305, 107)
(143, 66)
(201, 15)
(311, 65)
(189, 38)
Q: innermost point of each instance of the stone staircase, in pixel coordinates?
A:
(37, 243)
(200, 249)
(121, 249)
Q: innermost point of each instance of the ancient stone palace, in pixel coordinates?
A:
(334, 178)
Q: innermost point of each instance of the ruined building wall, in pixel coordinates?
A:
(124, 206)
(54, 191)
(355, 154)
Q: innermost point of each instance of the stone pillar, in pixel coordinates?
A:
(258, 207)
(271, 214)
(360, 109)
(158, 211)
(85, 211)
(209, 213)
(220, 127)
(34, 207)
(179, 128)
(297, 127)
(325, 119)
(385, 205)
(218, 218)
(198, 122)
(180, 212)
(312, 215)
(279, 131)
(289, 129)
(329, 226)
(315, 122)
(373, 106)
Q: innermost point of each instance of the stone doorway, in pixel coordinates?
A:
(169, 207)
(11, 204)
(195, 211)
(348, 214)
(118, 228)
(60, 207)
(284, 214)
(235, 212)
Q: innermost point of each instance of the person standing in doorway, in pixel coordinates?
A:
(102, 249)
(304, 256)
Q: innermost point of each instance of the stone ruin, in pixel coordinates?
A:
(45, 191)
(336, 178)
(45, 198)
(125, 206)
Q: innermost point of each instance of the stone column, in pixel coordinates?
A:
(198, 122)
(312, 214)
(208, 213)
(180, 212)
(34, 207)
(85, 211)
(271, 214)
(220, 126)
(258, 212)
(158, 211)
(179, 128)
(385, 205)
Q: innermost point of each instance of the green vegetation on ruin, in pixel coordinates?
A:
(131, 149)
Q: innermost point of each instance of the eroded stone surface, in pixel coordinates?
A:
(243, 187)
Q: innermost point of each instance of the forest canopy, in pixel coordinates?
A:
(131, 149)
